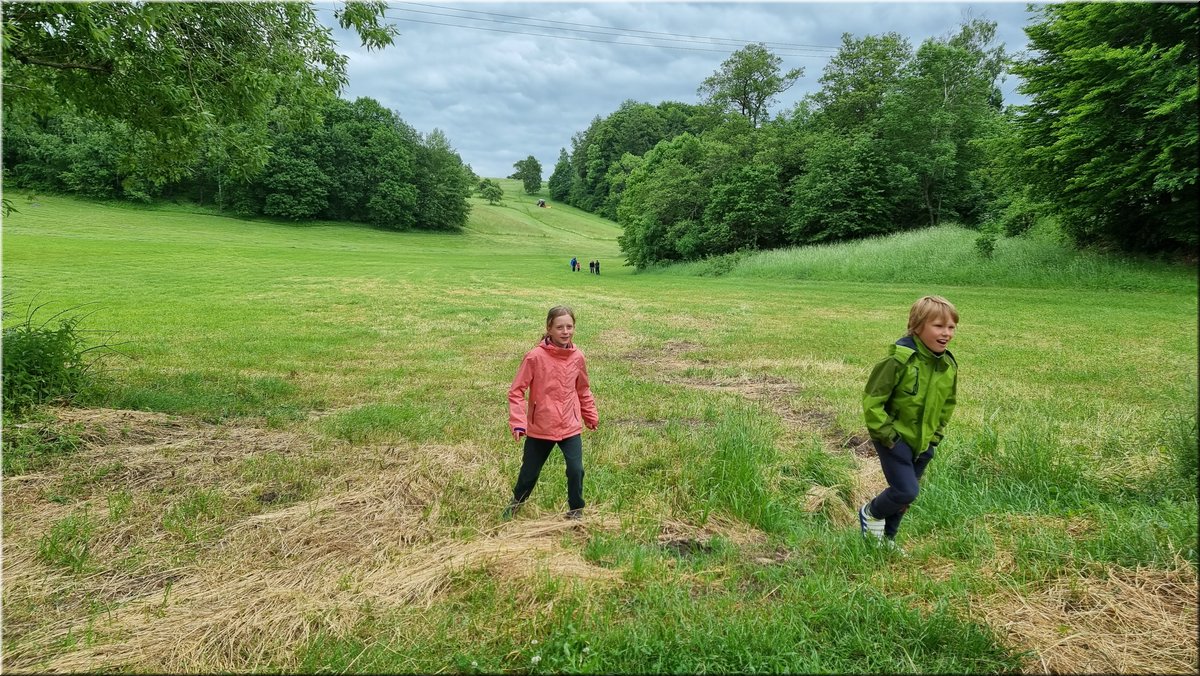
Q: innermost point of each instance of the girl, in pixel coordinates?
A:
(560, 403)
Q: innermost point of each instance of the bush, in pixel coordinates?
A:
(44, 363)
(985, 245)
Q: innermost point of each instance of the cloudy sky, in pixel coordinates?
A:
(507, 80)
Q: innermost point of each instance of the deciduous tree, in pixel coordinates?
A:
(1110, 133)
(748, 82)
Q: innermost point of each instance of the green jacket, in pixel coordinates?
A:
(910, 395)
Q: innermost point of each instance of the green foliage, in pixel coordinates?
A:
(529, 171)
(633, 129)
(34, 440)
(747, 83)
(1109, 136)
(45, 360)
(490, 190)
(945, 99)
(560, 179)
(182, 72)
(68, 542)
(745, 210)
(843, 192)
(196, 517)
(858, 79)
(663, 204)
(985, 245)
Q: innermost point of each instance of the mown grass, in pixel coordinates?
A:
(723, 401)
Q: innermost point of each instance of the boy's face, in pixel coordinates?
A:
(937, 332)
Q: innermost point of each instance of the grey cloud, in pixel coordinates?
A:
(500, 97)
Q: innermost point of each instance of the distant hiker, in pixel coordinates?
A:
(597, 266)
(574, 264)
(591, 267)
(908, 400)
(541, 203)
(556, 376)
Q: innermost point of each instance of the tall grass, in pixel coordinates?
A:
(948, 255)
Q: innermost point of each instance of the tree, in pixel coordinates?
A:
(944, 102)
(560, 180)
(748, 82)
(182, 72)
(491, 191)
(844, 190)
(1110, 133)
(442, 183)
(663, 203)
(529, 170)
(745, 210)
(856, 81)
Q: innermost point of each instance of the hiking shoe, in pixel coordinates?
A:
(574, 514)
(869, 524)
(511, 510)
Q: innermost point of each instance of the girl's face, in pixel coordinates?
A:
(561, 330)
(937, 332)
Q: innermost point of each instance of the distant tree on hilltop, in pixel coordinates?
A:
(529, 170)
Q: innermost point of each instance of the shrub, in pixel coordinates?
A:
(43, 363)
(985, 245)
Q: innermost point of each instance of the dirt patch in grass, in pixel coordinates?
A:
(1115, 620)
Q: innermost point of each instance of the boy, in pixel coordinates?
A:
(907, 402)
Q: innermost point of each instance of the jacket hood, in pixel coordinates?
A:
(908, 346)
(560, 352)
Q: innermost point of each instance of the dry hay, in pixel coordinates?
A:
(679, 535)
(827, 501)
(273, 580)
(1124, 621)
(279, 579)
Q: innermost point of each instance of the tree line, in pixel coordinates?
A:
(227, 104)
(899, 138)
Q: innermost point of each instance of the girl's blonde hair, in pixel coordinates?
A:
(926, 307)
(554, 313)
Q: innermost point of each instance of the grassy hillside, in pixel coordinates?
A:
(298, 459)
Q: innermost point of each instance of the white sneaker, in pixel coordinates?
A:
(869, 524)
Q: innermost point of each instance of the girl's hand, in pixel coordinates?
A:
(517, 433)
(591, 426)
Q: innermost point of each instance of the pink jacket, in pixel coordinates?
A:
(560, 400)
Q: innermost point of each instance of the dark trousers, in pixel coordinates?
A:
(536, 453)
(902, 473)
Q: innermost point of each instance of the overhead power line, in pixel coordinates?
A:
(673, 37)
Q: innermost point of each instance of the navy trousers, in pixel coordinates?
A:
(535, 455)
(902, 472)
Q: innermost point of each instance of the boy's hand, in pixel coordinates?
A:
(592, 425)
(517, 433)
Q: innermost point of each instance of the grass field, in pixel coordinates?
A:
(297, 459)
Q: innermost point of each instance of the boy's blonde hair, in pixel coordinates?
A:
(926, 307)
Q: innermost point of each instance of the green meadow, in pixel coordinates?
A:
(296, 454)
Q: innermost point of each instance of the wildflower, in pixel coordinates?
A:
(536, 659)
(533, 642)
(586, 650)
(474, 664)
